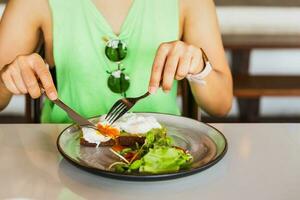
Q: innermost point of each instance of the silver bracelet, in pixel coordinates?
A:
(199, 78)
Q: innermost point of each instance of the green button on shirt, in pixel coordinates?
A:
(81, 64)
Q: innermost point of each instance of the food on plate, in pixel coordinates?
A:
(156, 155)
(141, 144)
(127, 131)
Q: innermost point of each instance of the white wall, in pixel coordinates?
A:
(259, 20)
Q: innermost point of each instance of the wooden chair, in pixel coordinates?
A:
(249, 88)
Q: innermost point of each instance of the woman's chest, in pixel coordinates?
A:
(115, 12)
(114, 15)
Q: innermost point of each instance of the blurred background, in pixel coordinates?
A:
(262, 41)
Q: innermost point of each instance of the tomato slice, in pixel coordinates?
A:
(131, 155)
(118, 148)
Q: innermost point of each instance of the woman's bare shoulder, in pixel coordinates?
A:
(35, 11)
(23, 25)
(195, 5)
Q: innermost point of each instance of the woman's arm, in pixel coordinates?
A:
(202, 30)
(20, 31)
(175, 60)
(5, 96)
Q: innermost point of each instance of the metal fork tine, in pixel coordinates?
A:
(113, 108)
(121, 107)
(116, 113)
(120, 114)
(116, 110)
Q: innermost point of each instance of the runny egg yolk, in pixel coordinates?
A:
(108, 131)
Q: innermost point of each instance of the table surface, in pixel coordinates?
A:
(262, 162)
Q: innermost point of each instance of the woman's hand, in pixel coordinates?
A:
(174, 60)
(25, 73)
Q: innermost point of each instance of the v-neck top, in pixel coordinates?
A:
(81, 64)
(127, 25)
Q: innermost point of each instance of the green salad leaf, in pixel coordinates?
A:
(126, 150)
(164, 159)
(157, 155)
(136, 165)
(158, 137)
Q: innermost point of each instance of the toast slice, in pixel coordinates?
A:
(123, 140)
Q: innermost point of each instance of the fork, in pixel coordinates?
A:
(121, 107)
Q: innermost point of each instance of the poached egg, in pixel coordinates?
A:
(136, 124)
(92, 136)
(130, 123)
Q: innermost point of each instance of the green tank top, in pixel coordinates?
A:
(81, 64)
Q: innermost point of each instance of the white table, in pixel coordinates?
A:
(262, 162)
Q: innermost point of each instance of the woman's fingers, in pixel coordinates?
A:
(9, 82)
(183, 68)
(174, 60)
(176, 51)
(158, 67)
(31, 82)
(43, 73)
(17, 78)
(24, 75)
(28, 76)
(196, 63)
(169, 71)
(184, 64)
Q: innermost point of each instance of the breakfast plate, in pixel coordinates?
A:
(205, 144)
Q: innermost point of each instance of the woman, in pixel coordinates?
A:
(102, 51)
